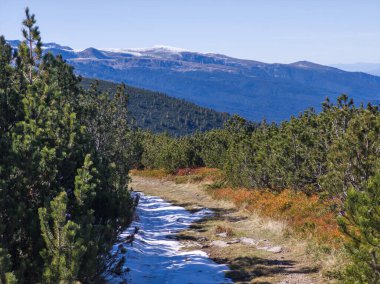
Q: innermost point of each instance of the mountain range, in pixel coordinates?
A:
(252, 89)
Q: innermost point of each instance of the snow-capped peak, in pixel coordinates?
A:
(158, 48)
(122, 50)
(141, 51)
(170, 48)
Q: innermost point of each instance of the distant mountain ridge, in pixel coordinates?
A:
(252, 89)
(370, 68)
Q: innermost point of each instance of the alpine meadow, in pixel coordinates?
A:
(103, 182)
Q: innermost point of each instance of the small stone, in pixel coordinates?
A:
(275, 249)
(202, 239)
(233, 241)
(196, 207)
(263, 248)
(222, 235)
(221, 244)
(248, 241)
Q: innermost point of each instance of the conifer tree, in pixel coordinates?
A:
(64, 246)
(54, 175)
(361, 223)
(8, 96)
(353, 154)
(30, 49)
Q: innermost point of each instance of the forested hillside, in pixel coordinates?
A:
(64, 155)
(160, 113)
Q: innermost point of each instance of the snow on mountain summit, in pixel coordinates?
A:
(156, 49)
(162, 47)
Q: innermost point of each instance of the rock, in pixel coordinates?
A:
(222, 235)
(221, 244)
(196, 207)
(202, 239)
(248, 241)
(271, 249)
(263, 248)
(275, 249)
(233, 241)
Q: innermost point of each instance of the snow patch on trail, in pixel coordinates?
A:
(155, 256)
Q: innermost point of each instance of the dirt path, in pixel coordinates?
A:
(257, 250)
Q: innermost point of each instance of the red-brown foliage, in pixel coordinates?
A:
(307, 215)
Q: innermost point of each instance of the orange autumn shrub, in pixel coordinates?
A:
(199, 174)
(196, 171)
(307, 215)
(204, 170)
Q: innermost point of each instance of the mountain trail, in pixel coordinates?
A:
(256, 249)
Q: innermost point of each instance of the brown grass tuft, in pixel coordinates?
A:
(223, 229)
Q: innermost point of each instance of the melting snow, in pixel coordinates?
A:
(155, 257)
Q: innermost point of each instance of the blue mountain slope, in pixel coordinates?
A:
(253, 89)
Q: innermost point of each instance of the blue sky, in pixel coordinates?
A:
(323, 31)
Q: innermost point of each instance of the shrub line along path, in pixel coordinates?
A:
(257, 249)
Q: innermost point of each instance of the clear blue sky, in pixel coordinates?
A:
(323, 31)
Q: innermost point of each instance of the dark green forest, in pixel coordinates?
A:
(158, 112)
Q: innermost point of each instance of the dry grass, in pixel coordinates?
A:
(196, 175)
(187, 175)
(224, 229)
(149, 173)
(308, 216)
